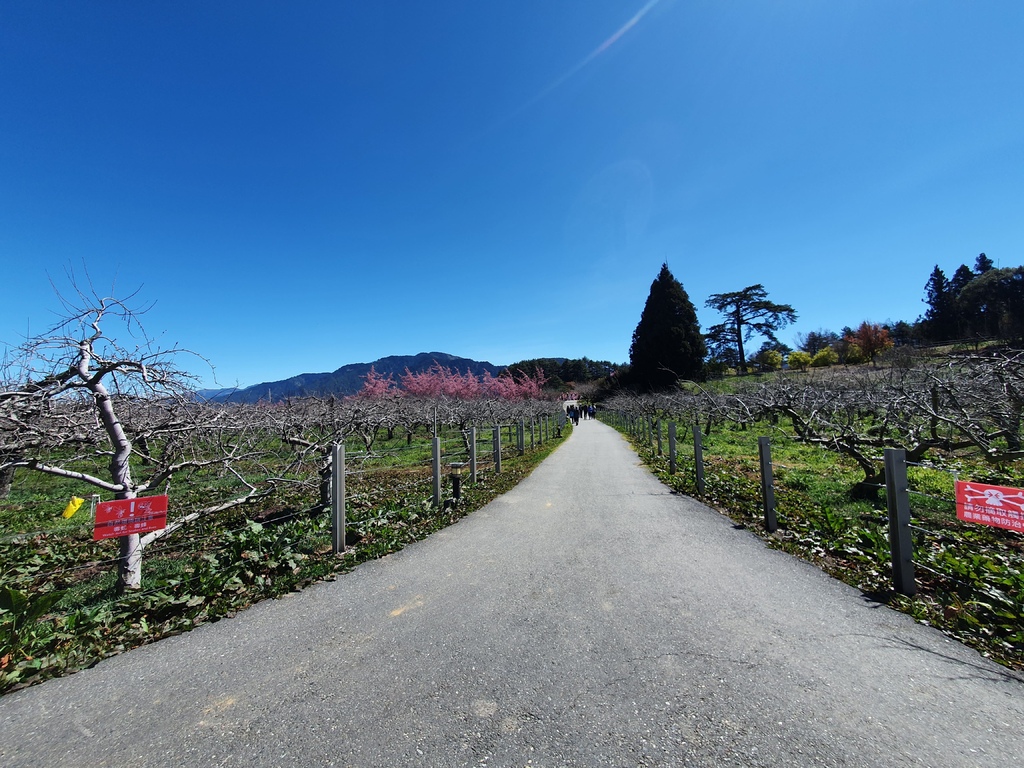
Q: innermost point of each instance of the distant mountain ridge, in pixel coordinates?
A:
(348, 379)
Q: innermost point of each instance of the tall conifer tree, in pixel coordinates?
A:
(667, 343)
(940, 318)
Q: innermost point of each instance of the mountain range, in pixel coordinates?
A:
(348, 379)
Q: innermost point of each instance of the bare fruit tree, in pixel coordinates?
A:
(980, 396)
(76, 398)
(933, 407)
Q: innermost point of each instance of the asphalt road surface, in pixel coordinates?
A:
(589, 617)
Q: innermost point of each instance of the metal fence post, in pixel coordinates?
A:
(338, 498)
(496, 439)
(764, 450)
(472, 455)
(671, 447)
(521, 436)
(657, 424)
(901, 544)
(698, 458)
(436, 461)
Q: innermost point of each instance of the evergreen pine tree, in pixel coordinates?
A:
(962, 313)
(940, 318)
(746, 312)
(667, 343)
(983, 264)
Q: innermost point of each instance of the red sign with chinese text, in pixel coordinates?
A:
(127, 516)
(990, 505)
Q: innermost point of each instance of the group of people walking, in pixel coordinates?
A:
(576, 412)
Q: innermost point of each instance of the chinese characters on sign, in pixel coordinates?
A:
(127, 516)
(990, 505)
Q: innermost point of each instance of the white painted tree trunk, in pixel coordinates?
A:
(129, 569)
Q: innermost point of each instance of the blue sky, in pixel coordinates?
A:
(303, 185)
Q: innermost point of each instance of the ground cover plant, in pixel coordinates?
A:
(832, 511)
(60, 609)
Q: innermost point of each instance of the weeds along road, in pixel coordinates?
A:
(587, 618)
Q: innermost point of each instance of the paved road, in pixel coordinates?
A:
(587, 618)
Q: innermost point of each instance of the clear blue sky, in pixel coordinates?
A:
(303, 185)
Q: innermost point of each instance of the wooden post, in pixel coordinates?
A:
(496, 439)
(338, 498)
(901, 544)
(472, 455)
(671, 447)
(764, 449)
(698, 458)
(657, 424)
(436, 461)
(521, 436)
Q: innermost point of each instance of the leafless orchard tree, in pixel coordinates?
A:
(636, 405)
(966, 401)
(311, 425)
(980, 397)
(962, 402)
(857, 413)
(76, 396)
(689, 403)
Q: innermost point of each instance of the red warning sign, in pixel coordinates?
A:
(993, 505)
(126, 516)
